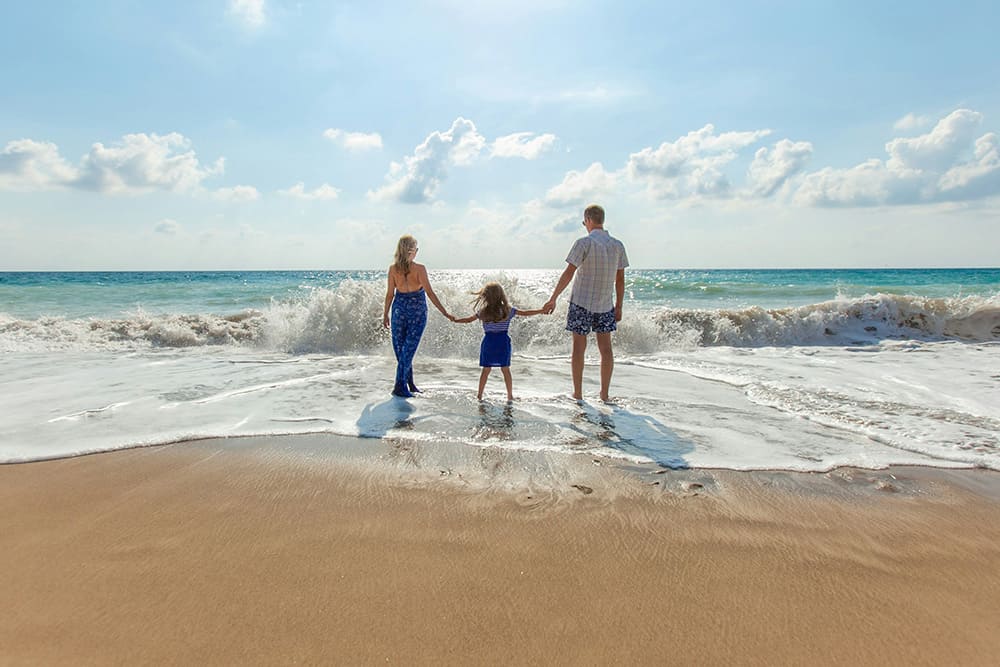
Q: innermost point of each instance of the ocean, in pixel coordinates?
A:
(739, 369)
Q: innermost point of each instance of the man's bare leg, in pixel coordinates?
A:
(607, 363)
(579, 352)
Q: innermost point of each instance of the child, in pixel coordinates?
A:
(496, 313)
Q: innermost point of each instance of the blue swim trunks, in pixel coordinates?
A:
(581, 321)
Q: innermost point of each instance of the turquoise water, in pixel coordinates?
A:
(109, 294)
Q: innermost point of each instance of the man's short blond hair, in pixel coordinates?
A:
(594, 213)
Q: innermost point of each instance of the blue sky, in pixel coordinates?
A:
(263, 134)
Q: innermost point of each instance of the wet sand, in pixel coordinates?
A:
(333, 550)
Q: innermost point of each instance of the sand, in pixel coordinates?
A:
(336, 551)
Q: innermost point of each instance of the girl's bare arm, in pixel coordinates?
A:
(465, 320)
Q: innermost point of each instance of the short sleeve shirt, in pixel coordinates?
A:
(597, 258)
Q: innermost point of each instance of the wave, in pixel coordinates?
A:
(348, 320)
(843, 321)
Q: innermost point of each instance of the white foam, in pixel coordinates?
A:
(800, 408)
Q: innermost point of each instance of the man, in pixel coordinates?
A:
(598, 261)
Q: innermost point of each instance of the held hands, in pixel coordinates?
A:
(549, 306)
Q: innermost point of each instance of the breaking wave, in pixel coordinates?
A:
(347, 320)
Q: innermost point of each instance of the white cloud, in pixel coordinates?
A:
(167, 226)
(911, 121)
(941, 147)
(137, 163)
(946, 164)
(354, 141)
(34, 165)
(691, 165)
(771, 169)
(237, 193)
(323, 192)
(579, 187)
(141, 163)
(418, 177)
(249, 12)
(521, 144)
(978, 178)
(571, 223)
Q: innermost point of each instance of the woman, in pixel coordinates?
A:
(406, 292)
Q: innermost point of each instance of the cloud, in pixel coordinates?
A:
(771, 169)
(978, 178)
(323, 192)
(578, 187)
(137, 163)
(568, 224)
(249, 12)
(142, 163)
(354, 141)
(941, 147)
(946, 164)
(237, 193)
(911, 121)
(167, 226)
(692, 165)
(520, 144)
(418, 177)
(34, 165)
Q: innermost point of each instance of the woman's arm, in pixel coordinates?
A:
(389, 290)
(426, 284)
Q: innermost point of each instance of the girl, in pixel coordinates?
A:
(408, 284)
(496, 313)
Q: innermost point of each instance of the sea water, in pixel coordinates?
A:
(755, 369)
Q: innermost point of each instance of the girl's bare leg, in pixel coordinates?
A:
(508, 381)
(482, 381)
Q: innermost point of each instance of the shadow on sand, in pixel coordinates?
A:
(377, 419)
(632, 433)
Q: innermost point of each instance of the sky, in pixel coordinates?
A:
(272, 134)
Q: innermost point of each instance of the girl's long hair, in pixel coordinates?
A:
(403, 247)
(491, 303)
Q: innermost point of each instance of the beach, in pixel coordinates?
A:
(328, 549)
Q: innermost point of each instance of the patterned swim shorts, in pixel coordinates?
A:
(581, 321)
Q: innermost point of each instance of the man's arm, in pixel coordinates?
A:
(619, 293)
(564, 280)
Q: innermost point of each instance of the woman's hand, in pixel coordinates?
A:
(385, 321)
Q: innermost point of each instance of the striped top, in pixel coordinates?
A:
(597, 258)
(499, 327)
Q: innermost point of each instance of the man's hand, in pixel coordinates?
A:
(549, 306)
(618, 313)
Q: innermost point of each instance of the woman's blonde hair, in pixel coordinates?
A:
(491, 303)
(403, 247)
